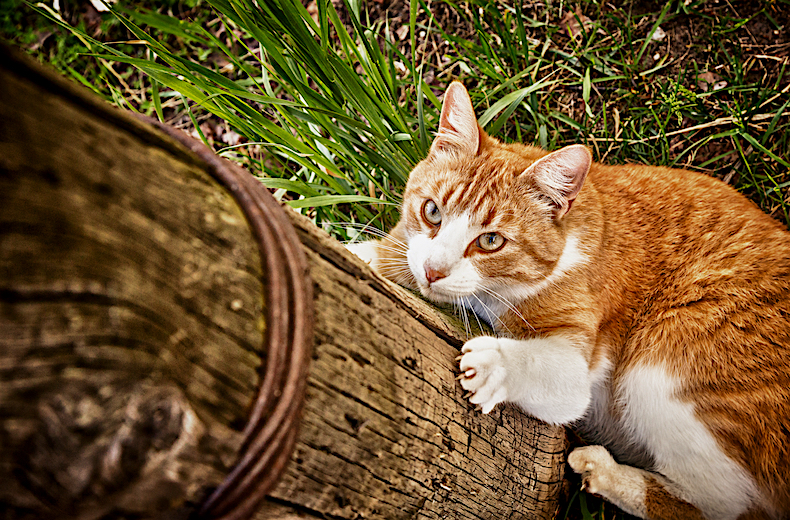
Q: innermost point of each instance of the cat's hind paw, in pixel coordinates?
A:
(483, 372)
(597, 468)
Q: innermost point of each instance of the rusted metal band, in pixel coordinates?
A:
(270, 433)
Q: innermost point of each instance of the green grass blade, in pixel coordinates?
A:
(327, 200)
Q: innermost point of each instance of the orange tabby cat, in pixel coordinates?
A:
(646, 307)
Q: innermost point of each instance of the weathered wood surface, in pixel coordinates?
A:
(386, 432)
(131, 341)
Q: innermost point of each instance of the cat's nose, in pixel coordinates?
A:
(432, 274)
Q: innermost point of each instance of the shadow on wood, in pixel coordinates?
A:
(155, 319)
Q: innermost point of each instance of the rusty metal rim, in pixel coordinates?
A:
(270, 432)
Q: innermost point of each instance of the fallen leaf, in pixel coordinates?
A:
(570, 23)
(402, 32)
(707, 80)
(230, 138)
(719, 85)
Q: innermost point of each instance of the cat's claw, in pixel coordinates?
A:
(483, 370)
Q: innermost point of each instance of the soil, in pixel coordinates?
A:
(688, 37)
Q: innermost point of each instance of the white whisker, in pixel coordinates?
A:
(395, 273)
(366, 228)
(464, 316)
(397, 245)
(491, 314)
(401, 278)
(471, 307)
(393, 270)
(508, 305)
(400, 250)
(392, 262)
(386, 263)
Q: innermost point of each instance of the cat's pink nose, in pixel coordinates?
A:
(432, 274)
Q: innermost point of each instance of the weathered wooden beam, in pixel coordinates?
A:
(135, 307)
(386, 432)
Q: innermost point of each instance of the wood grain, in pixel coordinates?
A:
(386, 432)
(131, 328)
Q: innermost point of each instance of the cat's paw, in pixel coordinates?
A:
(597, 468)
(483, 372)
(364, 250)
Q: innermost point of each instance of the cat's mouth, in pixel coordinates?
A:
(436, 296)
(441, 294)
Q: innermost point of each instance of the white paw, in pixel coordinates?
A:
(483, 372)
(365, 250)
(597, 468)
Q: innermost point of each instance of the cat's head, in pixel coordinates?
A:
(481, 216)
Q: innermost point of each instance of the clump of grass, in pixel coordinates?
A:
(322, 112)
(331, 113)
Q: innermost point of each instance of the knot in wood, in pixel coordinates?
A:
(97, 449)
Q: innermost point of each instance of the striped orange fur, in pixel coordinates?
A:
(646, 307)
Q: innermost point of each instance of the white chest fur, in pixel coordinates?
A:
(651, 427)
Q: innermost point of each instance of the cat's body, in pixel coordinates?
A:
(649, 310)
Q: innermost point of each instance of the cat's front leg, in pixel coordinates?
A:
(547, 377)
(367, 251)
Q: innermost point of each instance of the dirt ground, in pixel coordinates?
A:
(687, 36)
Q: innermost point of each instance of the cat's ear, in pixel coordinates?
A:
(458, 129)
(561, 174)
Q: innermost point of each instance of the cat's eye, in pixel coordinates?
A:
(431, 213)
(490, 241)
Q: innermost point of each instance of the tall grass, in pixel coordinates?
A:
(341, 114)
(324, 110)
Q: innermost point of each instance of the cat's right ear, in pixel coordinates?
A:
(458, 129)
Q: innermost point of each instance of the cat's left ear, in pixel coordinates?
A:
(561, 174)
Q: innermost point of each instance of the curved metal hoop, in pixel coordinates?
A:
(270, 433)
